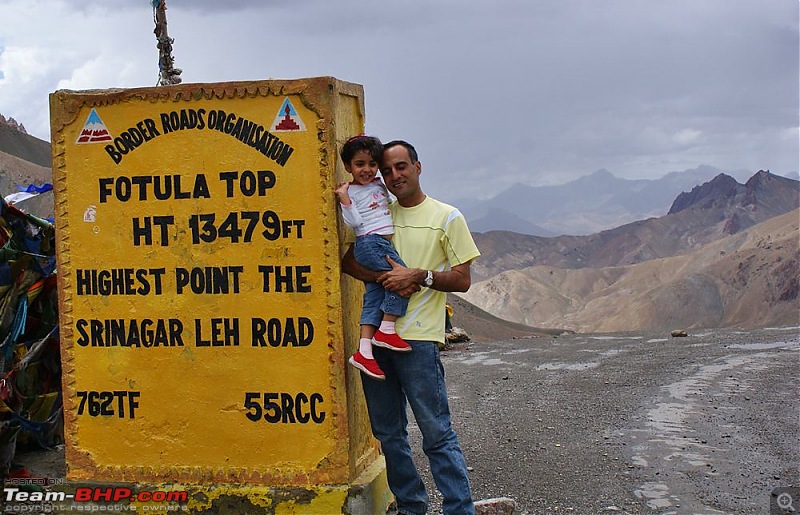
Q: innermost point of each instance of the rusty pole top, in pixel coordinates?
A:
(167, 73)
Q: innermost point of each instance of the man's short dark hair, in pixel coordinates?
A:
(412, 152)
(362, 142)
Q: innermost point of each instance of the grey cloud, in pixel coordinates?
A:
(518, 91)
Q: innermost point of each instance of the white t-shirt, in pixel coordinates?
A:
(369, 211)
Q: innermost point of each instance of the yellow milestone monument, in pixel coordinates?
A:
(203, 314)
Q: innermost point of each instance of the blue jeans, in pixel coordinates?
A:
(371, 251)
(417, 378)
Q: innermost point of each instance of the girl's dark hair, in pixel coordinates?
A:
(362, 142)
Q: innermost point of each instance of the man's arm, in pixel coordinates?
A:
(458, 278)
(353, 268)
(408, 280)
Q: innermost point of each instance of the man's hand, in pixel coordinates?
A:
(353, 268)
(405, 281)
(401, 280)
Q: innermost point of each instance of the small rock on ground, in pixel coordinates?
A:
(495, 506)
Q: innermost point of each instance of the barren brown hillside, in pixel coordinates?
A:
(16, 142)
(484, 327)
(24, 160)
(748, 280)
(14, 170)
(716, 209)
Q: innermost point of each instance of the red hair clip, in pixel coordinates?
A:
(355, 138)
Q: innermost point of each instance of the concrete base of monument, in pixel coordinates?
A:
(367, 494)
(370, 492)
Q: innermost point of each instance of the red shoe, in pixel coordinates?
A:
(367, 365)
(390, 341)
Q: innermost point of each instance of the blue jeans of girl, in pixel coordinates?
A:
(371, 251)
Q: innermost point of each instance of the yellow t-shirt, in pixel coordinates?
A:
(431, 236)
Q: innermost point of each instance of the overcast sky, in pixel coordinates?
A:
(491, 92)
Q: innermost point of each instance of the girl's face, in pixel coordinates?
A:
(363, 167)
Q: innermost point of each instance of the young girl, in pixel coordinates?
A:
(365, 208)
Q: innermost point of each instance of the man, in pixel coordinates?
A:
(435, 243)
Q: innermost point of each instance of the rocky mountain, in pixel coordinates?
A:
(716, 209)
(584, 206)
(24, 160)
(747, 279)
(14, 140)
(764, 194)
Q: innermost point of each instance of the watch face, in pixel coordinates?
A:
(428, 279)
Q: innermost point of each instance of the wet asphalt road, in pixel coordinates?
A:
(628, 423)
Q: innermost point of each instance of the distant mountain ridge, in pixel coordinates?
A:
(498, 217)
(25, 160)
(749, 279)
(15, 141)
(716, 209)
(587, 205)
(726, 255)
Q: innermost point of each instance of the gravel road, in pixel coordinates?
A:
(628, 423)
(624, 423)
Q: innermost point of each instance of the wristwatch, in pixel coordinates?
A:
(428, 281)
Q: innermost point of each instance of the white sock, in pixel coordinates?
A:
(387, 327)
(365, 347)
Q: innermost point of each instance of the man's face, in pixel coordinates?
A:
(402, 176)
